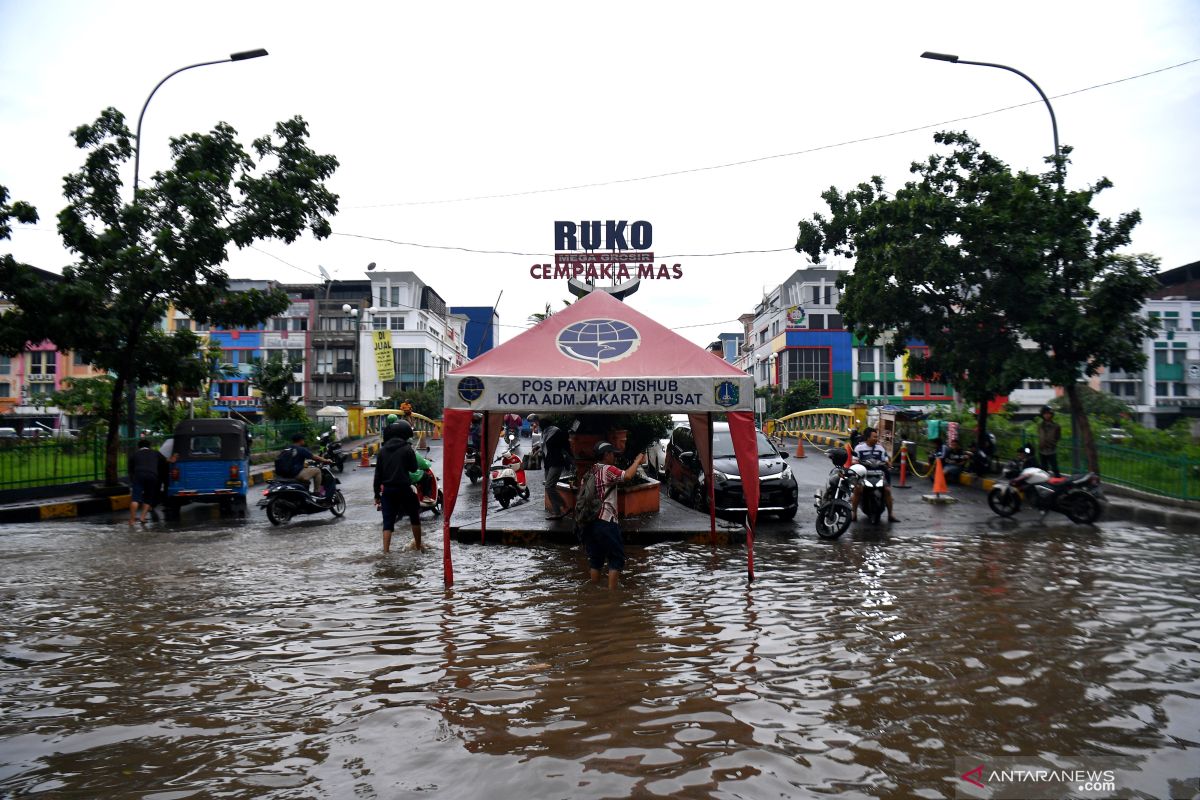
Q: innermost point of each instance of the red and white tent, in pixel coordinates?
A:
(599, 356)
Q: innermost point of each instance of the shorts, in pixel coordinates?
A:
(144, 490)
(399, 502)
(603, 542)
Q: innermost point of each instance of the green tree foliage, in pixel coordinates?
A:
(971, 258)
(135, 260)
(427, 400)
(84, 396)
(1103, 406)
(273, 378)
(801, 395)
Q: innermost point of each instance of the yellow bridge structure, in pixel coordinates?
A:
(830, 426)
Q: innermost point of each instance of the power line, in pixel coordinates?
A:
(760, 159)
(480, 251)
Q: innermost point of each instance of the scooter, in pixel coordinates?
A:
(872, 476)
(429, 494)
(331, 448)
(508, 474)
(471, 466)
(286, 498)
(833, 504)
(1078, 496)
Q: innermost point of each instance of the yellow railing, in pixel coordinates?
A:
(830, 421)
(375, 417)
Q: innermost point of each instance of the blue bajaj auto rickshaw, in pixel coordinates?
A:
(210, 463)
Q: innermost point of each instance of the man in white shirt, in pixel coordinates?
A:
(870, 450)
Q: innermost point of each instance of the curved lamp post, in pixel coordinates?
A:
(137, 164)
(1058, 168)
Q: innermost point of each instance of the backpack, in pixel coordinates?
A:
(588, 501)
(285, 463)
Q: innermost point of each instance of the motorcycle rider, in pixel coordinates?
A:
(301, 455)
(870, 450)
(475, 434)
(393, 483)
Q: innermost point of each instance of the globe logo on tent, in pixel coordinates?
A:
(470, 389)
(598, 341)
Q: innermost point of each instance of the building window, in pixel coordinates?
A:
(379, 323)
(296, 389)
(816, 295)
(279, 324)
(299, 323)
(5, 389)
(40, 389)
(78, 360)
(834, 321)
(812, 364)
(816, 322)
(183, 324)
(201, 327)
(5, 365)
(226, 389)
(296, 357)
(398, 322)
(43, 362)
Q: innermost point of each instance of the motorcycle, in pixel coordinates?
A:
(331, 448)
(833, 504)
(872, 475)
(1077, 496)
(286, 498)
(471, 466)
(508, 474)
(429, 494)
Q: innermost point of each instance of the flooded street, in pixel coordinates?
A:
(229, 659)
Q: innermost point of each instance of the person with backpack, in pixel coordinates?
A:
(146, 467)
(394, 493)
(291, 460)
(596, 512)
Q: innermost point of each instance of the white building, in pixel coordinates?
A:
(426, 340)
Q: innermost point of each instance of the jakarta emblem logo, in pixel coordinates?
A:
(598, 341)
(727, 394)
(470, 389)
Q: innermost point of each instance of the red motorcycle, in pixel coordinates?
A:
(429, 494)
(508, 474)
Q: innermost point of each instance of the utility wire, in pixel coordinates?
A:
(759, 159)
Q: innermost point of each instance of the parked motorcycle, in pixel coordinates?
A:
(833, 504)
(331, 448)
(286, 498)
(872, 475)
(508, 474)
(1078, 496)
(471, 466)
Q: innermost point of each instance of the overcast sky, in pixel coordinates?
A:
(465, 125)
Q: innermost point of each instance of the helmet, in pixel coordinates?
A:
(390, 419)
(1045, 409)
(532, 418)
(858, 469)
(397, 430)
(604, 447)
(838, 457)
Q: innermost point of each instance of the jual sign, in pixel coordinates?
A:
(594, 250)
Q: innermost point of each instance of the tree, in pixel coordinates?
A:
(972, 259)
(427, 400)
(542, 316)
(273, 377)
(135, 260)
(84, 396)
(801, 395)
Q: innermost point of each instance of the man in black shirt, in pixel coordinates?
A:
(394, 493)
(145, 468)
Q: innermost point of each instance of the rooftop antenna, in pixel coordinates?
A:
(328, 280)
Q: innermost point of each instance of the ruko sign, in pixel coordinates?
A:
(612, 249)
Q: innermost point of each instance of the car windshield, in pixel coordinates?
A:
(723, 445)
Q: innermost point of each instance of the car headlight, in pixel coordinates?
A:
(787, 474)
(719, 477)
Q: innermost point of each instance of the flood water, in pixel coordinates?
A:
(233, 660)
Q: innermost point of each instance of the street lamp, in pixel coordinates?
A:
(137, 164)
(1053, 121)
(137, 140)
(1058, 168)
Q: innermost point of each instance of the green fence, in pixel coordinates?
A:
(29, 463)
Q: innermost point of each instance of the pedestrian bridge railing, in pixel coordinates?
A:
(827, 421)
(376, 418)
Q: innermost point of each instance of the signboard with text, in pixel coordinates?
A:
(382, 341)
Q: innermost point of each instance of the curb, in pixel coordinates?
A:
(69, 509)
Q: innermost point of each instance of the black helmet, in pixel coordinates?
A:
(838, 457)
(1045, 409)
(476, 417)
(397, 430)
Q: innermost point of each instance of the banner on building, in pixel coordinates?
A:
(383, 355)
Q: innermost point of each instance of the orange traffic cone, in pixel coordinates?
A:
(903, 467)
(366, 457)
(939, 479)
(800, 447)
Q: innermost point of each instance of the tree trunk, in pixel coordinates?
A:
(981, 419)
(1083, 429)
(112, 441)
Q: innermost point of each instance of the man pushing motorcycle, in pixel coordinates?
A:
(869, 449)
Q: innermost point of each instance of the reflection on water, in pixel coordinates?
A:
(236, 662)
